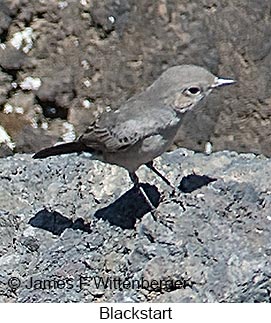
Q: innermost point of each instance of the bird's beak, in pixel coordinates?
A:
(222, 82)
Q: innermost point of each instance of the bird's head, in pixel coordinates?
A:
(182, 87)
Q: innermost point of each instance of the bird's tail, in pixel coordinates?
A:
(67, 148)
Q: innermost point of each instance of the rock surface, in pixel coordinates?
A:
(68, 222)
(93, 54)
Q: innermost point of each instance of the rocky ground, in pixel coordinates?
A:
(69, 221)
(63, 62)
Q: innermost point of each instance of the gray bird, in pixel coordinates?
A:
(145, 126)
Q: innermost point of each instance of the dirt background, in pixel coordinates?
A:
(88, 55)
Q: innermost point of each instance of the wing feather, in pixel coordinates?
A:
(121, 129)
(119, 137)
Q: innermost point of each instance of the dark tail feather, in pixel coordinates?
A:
(68, 148)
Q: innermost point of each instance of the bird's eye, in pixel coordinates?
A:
(193, 90)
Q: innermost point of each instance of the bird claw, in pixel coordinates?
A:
(173, 196)
(173, 193)
(167, 221)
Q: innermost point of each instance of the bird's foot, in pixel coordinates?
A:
(173, 196)
(166, 220)
(173, 193)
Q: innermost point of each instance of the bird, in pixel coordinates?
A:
(145, 126)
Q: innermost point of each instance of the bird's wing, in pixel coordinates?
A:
(119, 130)
(112, 139)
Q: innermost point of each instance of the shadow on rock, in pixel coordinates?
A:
(129, 207)
(56, 223)
(193, 182)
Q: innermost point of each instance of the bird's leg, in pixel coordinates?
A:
(135, 180)
(173, 192)
(150, 166)
(154, 212)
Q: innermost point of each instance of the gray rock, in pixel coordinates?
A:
(5, 86)
(12, 59)
(208, 245)
(5, 20)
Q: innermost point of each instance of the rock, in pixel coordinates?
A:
(5, 20)
(12, 59)
(210, 244)
(118, 48)
(5, 87)
(55, 94)
(25, 137)
(5, 150)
